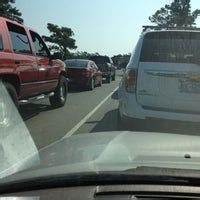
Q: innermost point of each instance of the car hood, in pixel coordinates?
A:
(116, 151)
(125, 147)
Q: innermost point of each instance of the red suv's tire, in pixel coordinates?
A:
(60, 96)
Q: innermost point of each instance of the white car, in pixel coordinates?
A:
(162, 79)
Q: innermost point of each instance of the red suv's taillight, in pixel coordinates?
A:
(130, 79)
(86, 72)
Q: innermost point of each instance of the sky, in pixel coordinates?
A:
(109, 27)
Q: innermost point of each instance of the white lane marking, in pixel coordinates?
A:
(75, 128)
(93, 111)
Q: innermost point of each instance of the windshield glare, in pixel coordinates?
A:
(74, 99)
(12, 133)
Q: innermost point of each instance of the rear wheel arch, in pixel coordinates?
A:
(13, 80)
(62, 74)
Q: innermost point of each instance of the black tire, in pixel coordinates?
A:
(60, 96)
(113, 77)
(131, 124)
(121, 125)
(90, 84)
(108, 79)
(100, 83)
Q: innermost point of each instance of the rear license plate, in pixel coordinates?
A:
(190, 87)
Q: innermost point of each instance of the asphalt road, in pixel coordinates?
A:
(89, 112)
(47, 125)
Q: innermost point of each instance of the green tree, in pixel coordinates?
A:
(7, 10)
(83, 55)
(176, 14)
(60, 40)
(119, 59)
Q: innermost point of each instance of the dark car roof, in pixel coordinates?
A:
(99, 57)
(77, 60)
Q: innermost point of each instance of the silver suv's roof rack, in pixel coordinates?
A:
(149, 28)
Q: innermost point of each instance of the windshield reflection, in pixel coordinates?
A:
(19, 198)
(16, 144)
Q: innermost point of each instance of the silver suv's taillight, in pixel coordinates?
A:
(130, 80)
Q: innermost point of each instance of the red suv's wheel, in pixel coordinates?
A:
(60, 96)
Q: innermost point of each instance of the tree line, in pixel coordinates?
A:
(61, 39)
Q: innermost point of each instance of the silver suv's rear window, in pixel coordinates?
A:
(172, 47)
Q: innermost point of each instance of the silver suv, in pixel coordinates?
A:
(162, 79)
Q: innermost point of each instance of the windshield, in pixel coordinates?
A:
(76, 63)
(101, 60)
(172, 47)
(102, 86)
(12, 133)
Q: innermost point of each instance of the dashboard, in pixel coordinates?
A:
(109, 192)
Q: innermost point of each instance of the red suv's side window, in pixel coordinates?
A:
(19, 39)
(40, 47)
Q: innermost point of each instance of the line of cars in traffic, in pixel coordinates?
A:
(29, 72)
(90, 73)
(162, 78)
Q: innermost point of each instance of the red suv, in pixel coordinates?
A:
(83, 73)
(27, 68)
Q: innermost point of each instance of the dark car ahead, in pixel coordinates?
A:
(83, 73)
(105, 64)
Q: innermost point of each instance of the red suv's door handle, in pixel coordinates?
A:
(17, 62)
